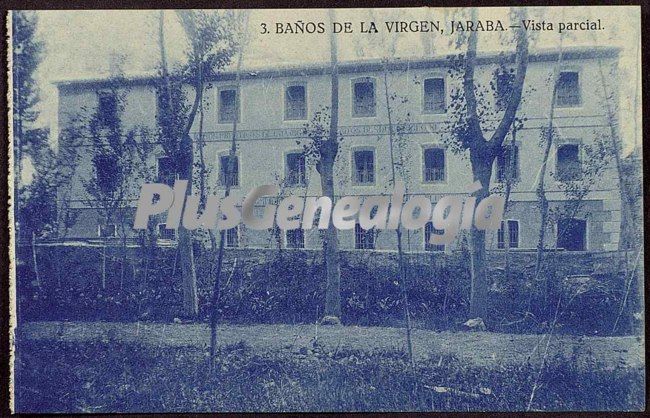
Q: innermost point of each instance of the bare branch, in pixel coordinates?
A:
(521, 63)
(475, 134)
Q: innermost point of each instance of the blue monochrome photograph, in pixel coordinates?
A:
(326, 210)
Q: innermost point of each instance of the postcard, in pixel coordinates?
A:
(326, 210)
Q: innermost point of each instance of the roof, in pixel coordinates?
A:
(362, 66)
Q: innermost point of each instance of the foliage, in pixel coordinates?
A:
(39, 208)
(27, 53)
(286, 288)
(112, 151)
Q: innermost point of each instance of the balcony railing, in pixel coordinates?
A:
(434, 174)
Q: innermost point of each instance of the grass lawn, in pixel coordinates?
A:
(110, 367)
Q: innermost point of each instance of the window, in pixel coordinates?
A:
(513, 234)
(364, 239)
(228, 105)
(364, 98)
(166, 171)
(107, 231)
(295, 103)
(364, 167)
(568, 162)
(108, 179)
(107, 108)
(165, 233)
(434, 95)
(434, 165)
(225, 178)
(572, 234)
(504, 79)
(505, 167)
(295, 238)
(232, 237)
(295, 169)
(429, 230)
(568, 89)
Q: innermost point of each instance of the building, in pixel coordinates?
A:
(274, 104)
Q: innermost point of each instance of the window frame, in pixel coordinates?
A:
(373, 233)
(557, 227)
(286, 168)
(106, 93)
(426, 147)
(568, 142)
(517, 177)
(510, 246)
(353, 165)
(220, 184)
(238, 101)
(432, 76)
(227, 243)
(432, 248)
(353, 107)
(287, 85)
(580, 89)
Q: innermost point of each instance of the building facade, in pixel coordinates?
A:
(273, 105)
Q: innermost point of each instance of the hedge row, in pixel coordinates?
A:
(288, 287)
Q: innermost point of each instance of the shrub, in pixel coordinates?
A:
(288, 287)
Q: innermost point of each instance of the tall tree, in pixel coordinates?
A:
(230, 168)
(548, 135)
(26, 53)
(112, 151)
(469, 135)
(323, 130)
(210, 48)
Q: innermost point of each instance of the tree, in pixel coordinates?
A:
(398, 170)
(38, 206)
(216, 292)
(27, 51)
(210, 48)
(112, 163)
(547, 135)
(468, 134)
(323, 148)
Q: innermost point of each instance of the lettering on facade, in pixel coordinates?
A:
(296, 133)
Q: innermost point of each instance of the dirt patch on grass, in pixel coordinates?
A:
(485, 349)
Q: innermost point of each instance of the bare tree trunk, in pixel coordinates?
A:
(482, 153)
(203, 172)
(325, 167)
(186, 258)
(482, 170)
(627, 220)
(104, 264)
(124, 255)
(398, 231)
(185, 169)
(510, 177)
(38, 277)
(216, 291)
(541, 192)
(332, 312)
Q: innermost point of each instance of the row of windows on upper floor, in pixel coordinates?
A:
(434, 166)
(571, 235)
(364, 98)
